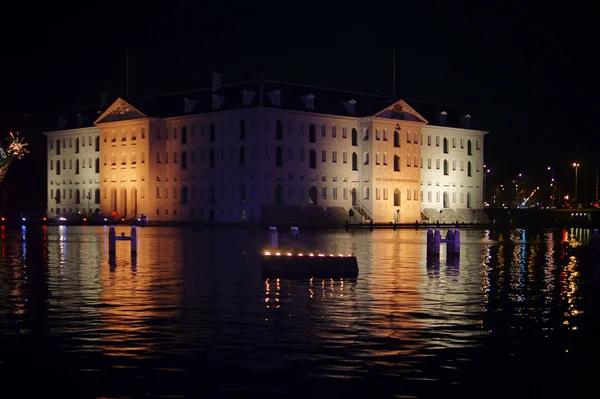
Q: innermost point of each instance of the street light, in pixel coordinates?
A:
(553, 187)
(576, 166)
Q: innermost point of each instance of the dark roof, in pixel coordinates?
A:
(433, 114)
(80, 116)
(326, 101)
(292, 97)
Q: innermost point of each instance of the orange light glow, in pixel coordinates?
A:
(267, 253)
(321, 254)
(44, 219)
(311, 254)
(289, 254)
(277, 254)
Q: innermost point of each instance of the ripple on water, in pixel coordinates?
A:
(190, 314)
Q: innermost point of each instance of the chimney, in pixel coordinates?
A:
(80, 120)
(309, 101)
(350, 106)
(62, 122)
(188, 105)
(441, 118)
(103, 99)
(216, 81)
(466, 121)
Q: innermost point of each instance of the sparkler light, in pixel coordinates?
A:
(17, 148)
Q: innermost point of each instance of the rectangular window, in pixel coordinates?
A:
(333, 132)
(335, 193)
(428, 196)
(334, 156)
(323, 156)
(323, 192)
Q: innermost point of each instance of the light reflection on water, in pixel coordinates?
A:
(191, 310)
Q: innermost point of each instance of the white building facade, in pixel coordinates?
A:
(73, 171)
(232, 153)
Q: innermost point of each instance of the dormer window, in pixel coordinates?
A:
(350, 106)
(466, 121)
(217, 101)
(441, 118)
(247, 97)
(188, 105)
(309, 101)
(275, 97)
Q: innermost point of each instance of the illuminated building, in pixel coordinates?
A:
(256, 150)
(73, 170)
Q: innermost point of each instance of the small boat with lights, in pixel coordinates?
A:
(307, 265)
(291, 262)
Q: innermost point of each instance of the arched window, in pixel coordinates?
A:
(212, 133)
(242, 194)
(396, 197)
(278, 195)
(396, 138)
(184, 196)
(312, 159)
(396, 163)
(242, 156)
(58, 167)
(354, 137)
(445, 145)
(211, 158)
(77, 196)
(469, 169)
(312, 133)
(213, 194)
(58, 196)
(77, 145)
(469, 148)
(279, 131)
(366, 160)
(97, 196)
(58, 147)
(184, 136)
(77, 166)
(278, 157)
(354, 161)
(97, 143)
(366, 135)
(446, 168)
(469, 200)
(242, 130)
(183, 157)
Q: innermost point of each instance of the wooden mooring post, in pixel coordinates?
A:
(434, 241)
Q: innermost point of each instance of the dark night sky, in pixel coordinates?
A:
(523, 70)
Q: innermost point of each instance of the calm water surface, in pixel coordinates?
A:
(191, 316)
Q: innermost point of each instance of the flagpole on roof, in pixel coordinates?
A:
(127, 75)
(393, 75)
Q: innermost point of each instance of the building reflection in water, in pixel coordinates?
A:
(530, 285)
(141, 294)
